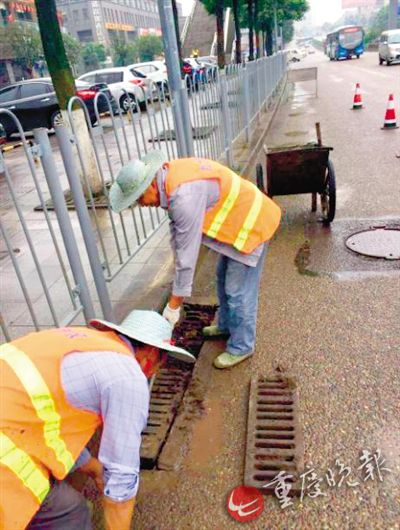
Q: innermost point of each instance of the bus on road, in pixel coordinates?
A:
(345, 42)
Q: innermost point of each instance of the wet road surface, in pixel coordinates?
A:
(327, 316)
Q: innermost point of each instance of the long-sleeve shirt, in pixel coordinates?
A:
(187, 207)
(113, 386)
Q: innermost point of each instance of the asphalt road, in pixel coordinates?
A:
(329, 317)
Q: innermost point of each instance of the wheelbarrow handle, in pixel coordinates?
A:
(318, 130)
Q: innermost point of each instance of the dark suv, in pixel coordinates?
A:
(35, 104)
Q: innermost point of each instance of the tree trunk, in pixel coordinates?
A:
(250, 23)
(219, 13)
(269, 44)
(64, 86)
(178, 33)
(235, 9)
(256, 28)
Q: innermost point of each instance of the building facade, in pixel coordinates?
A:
(102, 20)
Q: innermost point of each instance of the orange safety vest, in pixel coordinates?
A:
(41, 434)
(244, 217)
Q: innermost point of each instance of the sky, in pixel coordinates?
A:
(321, 10)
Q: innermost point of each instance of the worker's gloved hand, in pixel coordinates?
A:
(172, 315)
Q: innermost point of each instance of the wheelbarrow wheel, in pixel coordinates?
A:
(260, 178)
(328, 196)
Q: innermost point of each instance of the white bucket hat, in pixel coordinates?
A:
(133, 179)
(148, 327)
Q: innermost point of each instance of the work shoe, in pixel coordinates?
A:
(227, 360)
(214, 331)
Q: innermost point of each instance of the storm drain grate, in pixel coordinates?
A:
(171, 382)
(166, 394)
(274, 439)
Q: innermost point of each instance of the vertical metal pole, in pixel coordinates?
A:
(64, 141)
(67, 232)
(226, 120)
(246, 94)
(393, 14)
(180, 106)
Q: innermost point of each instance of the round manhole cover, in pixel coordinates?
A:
(380, 242)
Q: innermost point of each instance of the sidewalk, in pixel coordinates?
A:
(338, 338)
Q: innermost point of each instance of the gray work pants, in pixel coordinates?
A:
(63, 509)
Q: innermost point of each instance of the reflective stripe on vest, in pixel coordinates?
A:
(22, 465)
(41, 399)
(226, 207)
(249, 222)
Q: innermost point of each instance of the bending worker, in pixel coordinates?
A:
(208, 203)
(57, 387)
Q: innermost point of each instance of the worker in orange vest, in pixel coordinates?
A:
(208, 204)
(57, 387)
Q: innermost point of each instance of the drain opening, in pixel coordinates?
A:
(171, 383)
(274, 440)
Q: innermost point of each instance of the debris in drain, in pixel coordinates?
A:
(171, 382)
(188, 334)
(377, 242)
(274, 439)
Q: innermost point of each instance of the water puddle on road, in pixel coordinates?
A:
(207, 438)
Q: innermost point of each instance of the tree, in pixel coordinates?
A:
(122, 52)
(177, 31)
(64, 85)
(377, 24)
(25, 43)
(250, 25)
(237, 5)
(216, 7)
(148, 47)
(73, 49)
(286, 10)
(93, 53)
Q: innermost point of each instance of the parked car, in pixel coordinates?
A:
(34, 103)
(389, 46)
(128, 86)
(3, 135)
(156, 71)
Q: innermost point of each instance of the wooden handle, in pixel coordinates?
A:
(318, 129)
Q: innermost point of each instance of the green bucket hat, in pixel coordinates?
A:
(133, 179)
(147, 327)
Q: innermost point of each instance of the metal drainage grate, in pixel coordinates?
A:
(274, 439)
(171, 382)
(377, 242)
(166, 394)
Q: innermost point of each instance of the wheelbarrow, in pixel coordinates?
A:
(301, 169)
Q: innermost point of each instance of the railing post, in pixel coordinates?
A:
(225, 120)
(64, 141)
(246, 106)
(67, 232)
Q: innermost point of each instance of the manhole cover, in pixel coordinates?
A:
(274, 440)
(377, 242)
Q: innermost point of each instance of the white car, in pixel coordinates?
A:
(156, 71)
(120, 79)
(389, 46)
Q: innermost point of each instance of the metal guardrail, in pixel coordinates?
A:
(223, 108)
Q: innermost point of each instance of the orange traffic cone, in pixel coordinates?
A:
(390, 116)
(357, 101)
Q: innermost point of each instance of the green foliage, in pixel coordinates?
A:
(93, 54)
(148, 47)
(122, 52)
(73, 48)
(24, 39)
(377, 24)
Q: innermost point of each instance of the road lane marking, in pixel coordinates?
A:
(336, 79)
